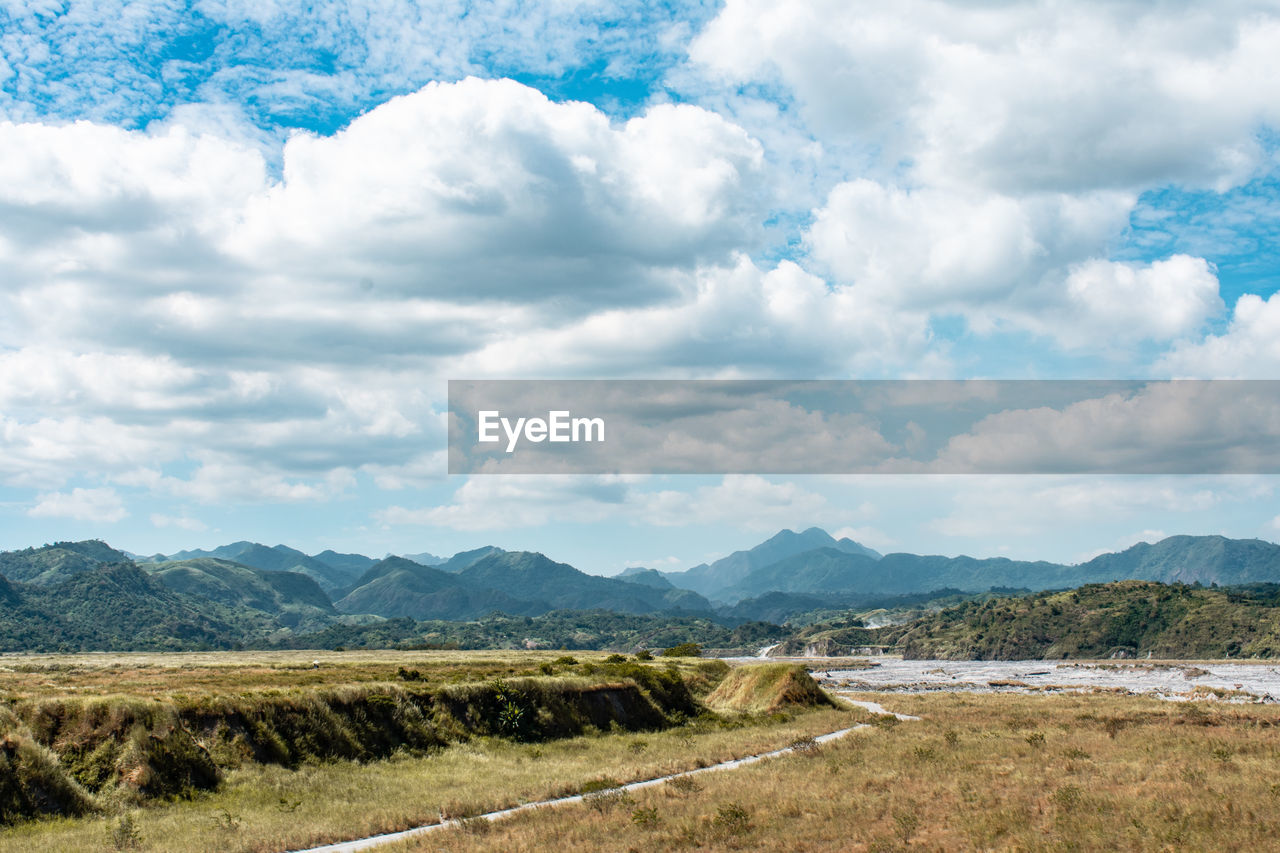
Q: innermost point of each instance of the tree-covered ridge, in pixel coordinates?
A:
(1125, 619)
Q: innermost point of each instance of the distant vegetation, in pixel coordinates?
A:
(807, 592)
(1125, 619)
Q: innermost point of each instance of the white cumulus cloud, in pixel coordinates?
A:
(97, 505)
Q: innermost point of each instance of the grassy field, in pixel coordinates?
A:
(192, 674)
(976, 772)
(277, 805)
(990, 772)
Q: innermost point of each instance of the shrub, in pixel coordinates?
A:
(604, 783)
(683, 786)
(683, 650)
(907, 823)
(1067, 797)
(124, 835)
(645, 817)
(732, 819)
(806, 745)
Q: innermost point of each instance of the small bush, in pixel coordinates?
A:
(806, 745)
(907, 824)
(683, 650)
(604, 783)
(683, 786)
(123, 834)
(1035, 739)
(646, 817)
(1067, 797)
(616, 658)
(732, 819)
(566, 660)
(951, 737)
(644, 654)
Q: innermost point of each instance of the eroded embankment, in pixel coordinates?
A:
(71, 756)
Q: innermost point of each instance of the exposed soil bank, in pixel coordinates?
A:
(71, 756)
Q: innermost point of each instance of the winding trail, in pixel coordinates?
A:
(392, 837)
(874, 707)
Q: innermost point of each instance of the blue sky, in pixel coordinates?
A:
(244, 245)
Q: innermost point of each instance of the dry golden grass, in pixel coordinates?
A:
(272, 808)
(993, 772)
(176, 675)
(268, 807)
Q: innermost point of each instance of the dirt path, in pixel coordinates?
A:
(390, 838)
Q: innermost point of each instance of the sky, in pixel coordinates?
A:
(243, 247)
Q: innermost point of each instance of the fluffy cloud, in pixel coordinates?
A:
(1013, 507)
(1038, 96)
(95, 505)
(182, 522)
(1003, 150)
(1248, 349)
(499, 503)
(167, 301)
(748, 502)
(737, 320)
(1168, 427)
(487, 190)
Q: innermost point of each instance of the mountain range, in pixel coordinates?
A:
(80, 595)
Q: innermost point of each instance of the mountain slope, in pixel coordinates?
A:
(352, 564)
(645, 577)
(290, 599)
(282, 558)
(52, 564)
(424, 558)
(1177, 559)
(396, 587)
(462, 559)
(1190, 559)
(532, 576)
(1125, 619)
(113, 607)
(715, 579)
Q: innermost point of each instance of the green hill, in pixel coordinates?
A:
(334, 576)
(534, 577)
(114, 607)
(51, 564)
(1177, 559)
(396, 587)
(714, 579)
(1124, 619)
(292, 600)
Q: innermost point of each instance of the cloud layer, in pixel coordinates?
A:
(243, 245)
